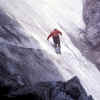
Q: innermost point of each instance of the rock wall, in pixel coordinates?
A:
(71, 90)
(91, 16)
(21, 67)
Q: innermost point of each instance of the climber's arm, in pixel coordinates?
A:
(49, 36)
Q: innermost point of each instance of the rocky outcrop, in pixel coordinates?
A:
(91, 15)
(71, 90)
(23, 67)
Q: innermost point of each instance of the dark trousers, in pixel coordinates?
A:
(56, 41)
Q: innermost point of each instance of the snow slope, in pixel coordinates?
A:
(38, 18)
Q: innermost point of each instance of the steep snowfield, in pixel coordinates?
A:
(38, 18)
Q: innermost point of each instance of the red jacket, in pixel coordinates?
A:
(55, 32)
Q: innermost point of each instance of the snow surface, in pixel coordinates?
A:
(38, 18)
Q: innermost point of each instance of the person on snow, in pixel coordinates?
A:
(55, 35)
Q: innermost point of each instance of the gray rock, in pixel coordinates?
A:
(71, 90)
(91, 15)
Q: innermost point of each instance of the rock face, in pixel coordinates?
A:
(10, 30)
(20, 67)
(23, 69)
(71, 90)
(91, 15)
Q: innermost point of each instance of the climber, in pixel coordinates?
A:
(56, 39)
